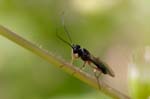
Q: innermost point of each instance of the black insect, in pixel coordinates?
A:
(86, 56)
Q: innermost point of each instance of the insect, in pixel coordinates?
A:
(86, 56)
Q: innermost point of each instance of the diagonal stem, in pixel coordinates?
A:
(46, 55)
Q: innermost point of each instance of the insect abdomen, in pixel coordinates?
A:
(102, 66)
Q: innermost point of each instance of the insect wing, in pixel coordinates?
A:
(102, 66)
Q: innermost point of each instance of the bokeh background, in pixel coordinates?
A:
(115, 30)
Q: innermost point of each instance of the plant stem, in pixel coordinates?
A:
(46, 55)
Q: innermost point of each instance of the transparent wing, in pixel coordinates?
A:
(102, 66)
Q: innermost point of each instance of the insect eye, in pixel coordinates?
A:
(77, 46)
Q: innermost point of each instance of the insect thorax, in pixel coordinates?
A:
(81, 52)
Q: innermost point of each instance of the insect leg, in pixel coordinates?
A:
(72, 57)
(81, 68)
(97, 77)
(96, 70)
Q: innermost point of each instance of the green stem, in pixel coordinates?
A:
(46, 55)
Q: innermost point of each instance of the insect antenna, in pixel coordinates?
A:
(63, 39)
(65, 29)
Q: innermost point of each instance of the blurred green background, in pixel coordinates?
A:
(110, 29)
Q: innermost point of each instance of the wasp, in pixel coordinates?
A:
(86, 56)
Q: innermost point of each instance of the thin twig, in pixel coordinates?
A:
(46, 55)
